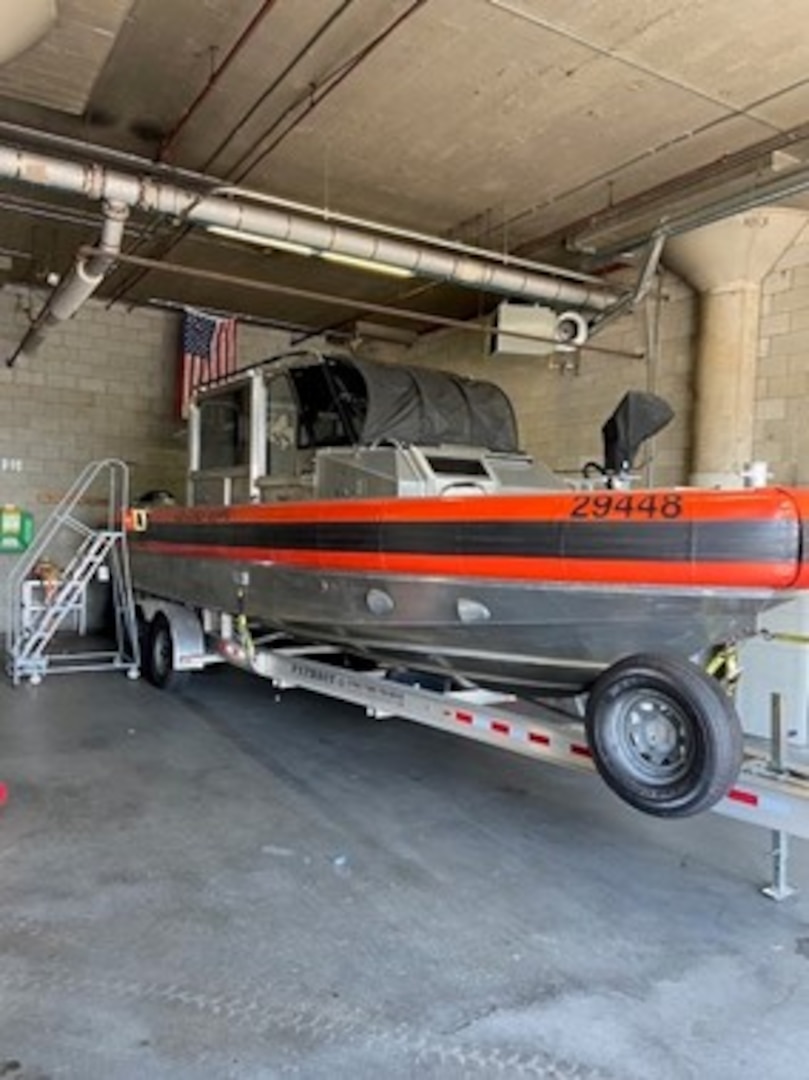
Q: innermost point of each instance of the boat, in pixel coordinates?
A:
(389, 511)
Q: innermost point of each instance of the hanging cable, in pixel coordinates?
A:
(243, 38)
(316, 95)
(277, 81)
(132, 280)
(330, 83)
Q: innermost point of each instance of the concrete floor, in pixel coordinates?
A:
(221, 885)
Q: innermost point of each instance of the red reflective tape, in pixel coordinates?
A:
(3, 794)
(465, 717)
(501, 727)
(746, 797)
(580, 749)
(534, 736)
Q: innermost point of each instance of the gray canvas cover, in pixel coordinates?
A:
(425, 406)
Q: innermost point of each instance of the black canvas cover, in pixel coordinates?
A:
(638, 416)
(426, 406)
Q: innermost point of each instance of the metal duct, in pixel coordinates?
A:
(479, 271)
(78, 285)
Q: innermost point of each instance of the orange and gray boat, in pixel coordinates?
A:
(388, 511)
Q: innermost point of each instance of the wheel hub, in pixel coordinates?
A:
(654, 731)
(653, 735)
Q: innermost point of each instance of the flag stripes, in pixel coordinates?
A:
(208, 352)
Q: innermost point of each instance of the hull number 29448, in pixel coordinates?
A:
(648, 505)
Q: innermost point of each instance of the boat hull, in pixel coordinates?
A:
(517, 635)
(528, 592)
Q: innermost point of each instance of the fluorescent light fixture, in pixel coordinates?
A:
(261, 241)
(305, 249)
(366, 264)
(294, 249)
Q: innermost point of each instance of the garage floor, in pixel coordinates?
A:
(223, 885)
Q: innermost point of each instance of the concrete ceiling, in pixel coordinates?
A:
(510, 124)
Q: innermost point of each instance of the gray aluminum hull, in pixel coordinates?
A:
(512, 635)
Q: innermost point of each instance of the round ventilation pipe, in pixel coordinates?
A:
(23, 24)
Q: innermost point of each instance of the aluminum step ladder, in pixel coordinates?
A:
(99, 552)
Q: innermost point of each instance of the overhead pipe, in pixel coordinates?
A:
(474, 269)
(78, 285)
(21, 136)
(777, 188)
(581, 236)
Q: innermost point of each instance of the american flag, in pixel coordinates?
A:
(208, 353)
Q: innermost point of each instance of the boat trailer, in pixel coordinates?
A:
(768, 793)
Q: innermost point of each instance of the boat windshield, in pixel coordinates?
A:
(224, 423)
(332, 404)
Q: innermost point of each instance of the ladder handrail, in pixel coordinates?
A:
(61, 516)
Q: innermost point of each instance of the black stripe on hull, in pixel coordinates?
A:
(655, 541)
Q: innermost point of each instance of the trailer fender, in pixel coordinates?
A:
(187, 636)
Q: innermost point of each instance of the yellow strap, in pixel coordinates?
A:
(793, 639)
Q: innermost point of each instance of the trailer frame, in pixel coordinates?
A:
(769, 793)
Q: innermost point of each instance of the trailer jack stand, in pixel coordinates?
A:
(780, 889)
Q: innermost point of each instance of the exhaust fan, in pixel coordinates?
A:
(24, 22)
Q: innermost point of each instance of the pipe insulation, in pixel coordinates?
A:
(370, 243)
(78, 285)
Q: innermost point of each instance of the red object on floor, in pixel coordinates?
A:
(3, 794)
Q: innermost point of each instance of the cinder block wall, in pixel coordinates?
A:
(781, 432)
(561, 412)
(103, 385)
(560, 408)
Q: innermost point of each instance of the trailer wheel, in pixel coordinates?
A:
(664, 735)
(158, 657)
(142, 627)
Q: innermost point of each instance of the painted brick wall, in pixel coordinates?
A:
(560, 414)
(103, 385)
(781, 430)
(560, 409)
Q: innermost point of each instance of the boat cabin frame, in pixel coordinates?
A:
(312, 425)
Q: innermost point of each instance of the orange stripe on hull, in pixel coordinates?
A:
(764, 504)
(750, 575)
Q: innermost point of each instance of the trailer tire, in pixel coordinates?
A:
(158, 657)
(142, 627)
(664, 735)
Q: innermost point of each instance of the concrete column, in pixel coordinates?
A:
(726, 262)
